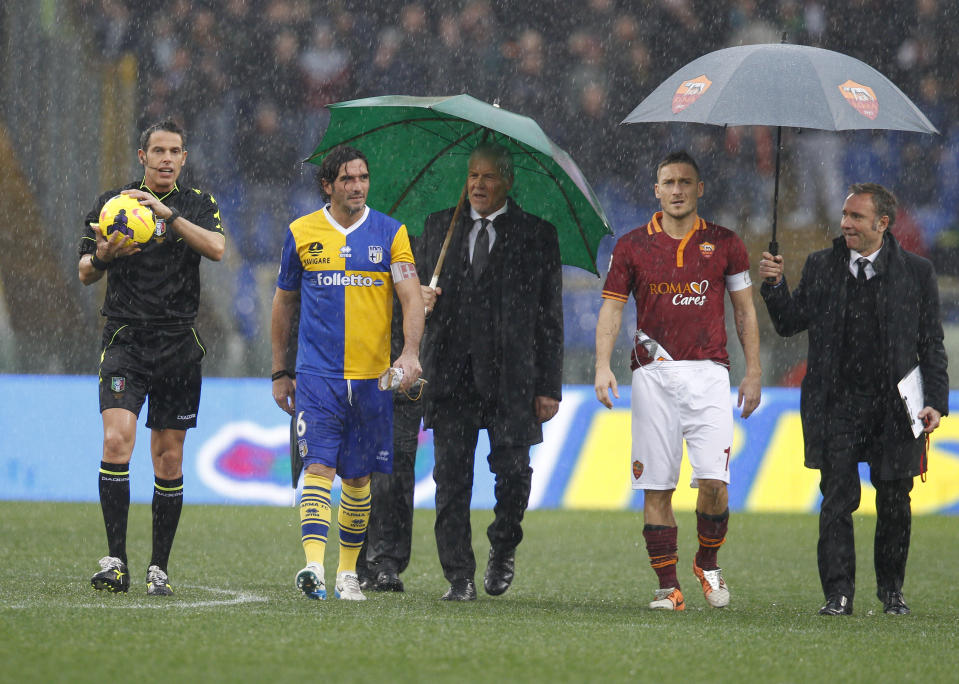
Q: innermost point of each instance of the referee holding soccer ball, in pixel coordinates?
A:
(150, 344)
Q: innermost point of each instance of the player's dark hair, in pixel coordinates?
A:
(883, 201)
(678, 157)
(499, 154)
(330, 166)
(167, 125)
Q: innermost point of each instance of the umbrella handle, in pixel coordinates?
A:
(449, 235)
(774, 250)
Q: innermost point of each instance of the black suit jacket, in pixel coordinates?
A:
(910, 333)
(524, 341)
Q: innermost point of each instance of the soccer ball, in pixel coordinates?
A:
(125, 214)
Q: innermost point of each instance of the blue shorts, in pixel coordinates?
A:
(344, 424)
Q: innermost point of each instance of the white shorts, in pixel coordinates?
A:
(673, 401)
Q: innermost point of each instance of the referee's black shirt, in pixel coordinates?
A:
(161, 284)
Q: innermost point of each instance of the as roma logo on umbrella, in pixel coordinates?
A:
(689, 91)
(862, 98)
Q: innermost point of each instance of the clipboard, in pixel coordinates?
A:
(913, 399)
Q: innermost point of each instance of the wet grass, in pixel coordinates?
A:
(577, 611)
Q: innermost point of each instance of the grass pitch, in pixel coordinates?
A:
(576, 612)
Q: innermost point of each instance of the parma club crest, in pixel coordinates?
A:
(376, 254)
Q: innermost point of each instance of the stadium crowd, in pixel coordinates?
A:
(249, 79)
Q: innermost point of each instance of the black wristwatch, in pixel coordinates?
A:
(174, 215)
(283, 374)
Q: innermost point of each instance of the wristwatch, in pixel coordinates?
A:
(174, 215)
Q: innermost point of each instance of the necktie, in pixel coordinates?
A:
(861, 273)
(481, 249)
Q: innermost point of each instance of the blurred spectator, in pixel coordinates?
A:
(750, 165)
(528, 90)
(267, 159)
(326, 68)
(386, 69)
(816, 158)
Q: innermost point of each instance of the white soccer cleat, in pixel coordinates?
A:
(310, 580)
(714, 586)
(348, 586)
(670, 598)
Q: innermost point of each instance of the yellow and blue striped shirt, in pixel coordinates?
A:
(346, 291)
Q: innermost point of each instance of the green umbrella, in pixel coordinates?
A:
(418, 149)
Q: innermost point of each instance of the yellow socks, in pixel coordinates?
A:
(353, 517)
(315, 516)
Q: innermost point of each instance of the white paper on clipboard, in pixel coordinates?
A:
(913, 399)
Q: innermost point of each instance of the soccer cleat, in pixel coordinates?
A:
(714, 586)
(158, 584)
(670, 598)
(113, 575)
(310, 580)
(348, 586)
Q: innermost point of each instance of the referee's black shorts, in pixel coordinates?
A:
(164, 363)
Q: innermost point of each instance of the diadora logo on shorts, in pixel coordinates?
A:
(684, 294)
(338, 279)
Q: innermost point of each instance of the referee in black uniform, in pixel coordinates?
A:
(150, 345)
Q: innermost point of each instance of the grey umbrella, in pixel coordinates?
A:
(780, 84)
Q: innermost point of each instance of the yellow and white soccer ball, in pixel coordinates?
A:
(125, 214)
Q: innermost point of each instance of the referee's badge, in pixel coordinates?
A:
(160, 231)
(117, 384)
(376, 254)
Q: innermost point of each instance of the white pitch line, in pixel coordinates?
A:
(238, 597)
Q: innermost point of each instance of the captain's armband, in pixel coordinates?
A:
(402, 270)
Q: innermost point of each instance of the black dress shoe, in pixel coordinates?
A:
(837, 605)
(366, 581)
(894, 604)
(388, 580)
(460, 590)
(499, 572)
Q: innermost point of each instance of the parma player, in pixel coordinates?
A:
(150, 344)
(338, 271)
(678, 268)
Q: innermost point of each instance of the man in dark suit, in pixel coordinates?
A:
(872, 312)
(494, 357)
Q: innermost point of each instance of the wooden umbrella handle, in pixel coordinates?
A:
(449, 235)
